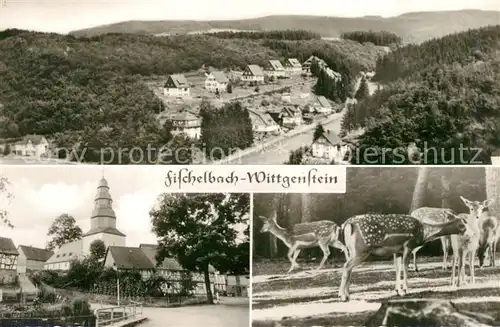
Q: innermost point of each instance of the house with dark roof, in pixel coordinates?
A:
(322, 105)
(293, 65)
(216, 81)
(330, 147)
(8, 262)
(262, 122)
(185, 121)
(176, 86)
(274, 68)
(291, 116)
(306, 65)
(143, 260)
(31, 258)
(253, 73)
(31, 145)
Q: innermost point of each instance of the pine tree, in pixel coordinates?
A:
(318, 132)
(363, 92)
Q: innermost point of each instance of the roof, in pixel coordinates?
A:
(105, 230)
(255, 70)
(7, 246)
(276, 65)
(35, 139)
(331, 138)
(67, 252)
(324, 102)
(35, 254)
(261, 117)
(294, 62)
(179, 80)
(142, 258)
(290, 110)
(182, 115)
(220, 77)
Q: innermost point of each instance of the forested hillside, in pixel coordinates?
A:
(90, 91)
(369, 190)
(442, 94)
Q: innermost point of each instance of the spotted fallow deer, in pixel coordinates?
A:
(465, 244)
(434, 216)
(490, 233)
(389, 234)
(322, 233)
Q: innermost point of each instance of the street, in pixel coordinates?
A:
(231, 312)
(279, 152)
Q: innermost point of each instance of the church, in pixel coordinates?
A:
(102, 227)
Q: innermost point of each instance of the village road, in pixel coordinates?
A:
(279, 152)
(230, 312)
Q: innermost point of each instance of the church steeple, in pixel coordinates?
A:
(103, 214)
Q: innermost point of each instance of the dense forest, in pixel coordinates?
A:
(90, 92)
(369, 190)
(291, 35)
(382, 38)
(443, 94)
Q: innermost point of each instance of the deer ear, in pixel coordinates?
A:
(263, 218)
(464, 200)
(488, 202)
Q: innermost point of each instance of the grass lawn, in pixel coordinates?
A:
(308, 297)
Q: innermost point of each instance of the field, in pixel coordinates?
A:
(309, 297)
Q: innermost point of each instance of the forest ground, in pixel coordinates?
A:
(309, 298)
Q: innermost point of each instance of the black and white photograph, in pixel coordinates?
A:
(407, 246)
(90, 246)
(260, 82)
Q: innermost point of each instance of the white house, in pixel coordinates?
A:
(253, 73)
(31, 258)
(262, 122)
(322, 105)
(102, 227)
(291, 117)
(31, 145)
(293, 66)
(176, 86)
(274, 68)
(185, 122)
(216, 82)
(329, 146)
(306, 65)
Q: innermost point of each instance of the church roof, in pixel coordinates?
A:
(104, 230)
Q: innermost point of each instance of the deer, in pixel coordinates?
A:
(434, 216)
(466, 244)
(389, 234)
(490, 233)
(323, 234)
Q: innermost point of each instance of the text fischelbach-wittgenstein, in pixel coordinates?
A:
(186, 176)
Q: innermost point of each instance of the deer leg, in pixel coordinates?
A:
(397, 267)
(337, 244)
(405, 262)
(291, 252)
(472, 266)
(295, 256)
(490, 253)
(494, 254)
(453, 268)
(444, 244)
(461, 265)
(354, 260)
(414, 252)
(326, 252)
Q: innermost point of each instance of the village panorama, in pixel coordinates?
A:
(105, 260)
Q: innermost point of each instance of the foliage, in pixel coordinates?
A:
(363, 92)
(8, 196)
(198, 230)
(97, 249)
(226, 129)
(292, 35)
(296, 156)
(372, 190)
(83, 274)
(7, 149)
(229, 88)
(181, 150)
(318, 132)
(63, 230)
(382, 38)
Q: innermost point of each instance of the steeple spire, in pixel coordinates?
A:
(103, 214)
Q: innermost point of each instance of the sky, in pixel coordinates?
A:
(62, 16)
(43, 193)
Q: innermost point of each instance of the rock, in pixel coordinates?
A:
(425, 312)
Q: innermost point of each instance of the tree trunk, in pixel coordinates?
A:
(305, 201)
(493, 189)
(210, 297)
(445, 188)
(417, 200)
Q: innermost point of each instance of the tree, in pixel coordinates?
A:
(229, 88)
(363, 92)
(296, 156)
(6, 150)
(63, 230)
(198, 230)
(8, 196)
(97, 249)
(318, 132)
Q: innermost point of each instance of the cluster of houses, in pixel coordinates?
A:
(16, 263)
(29, 145)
